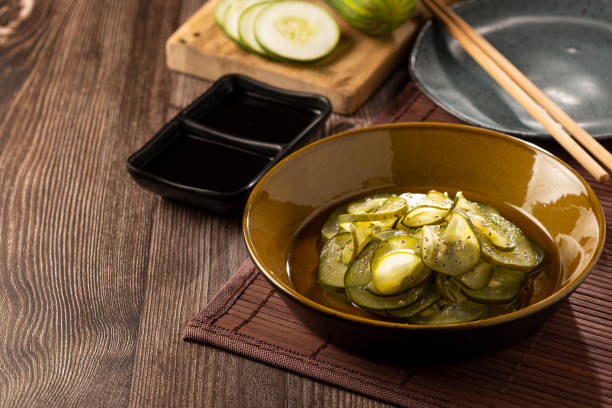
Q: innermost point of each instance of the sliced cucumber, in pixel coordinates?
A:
(503, 287)
(488, 223)
(423, 215)
(393, 243)
(414, 200)
(296, 31)
(331, 228)
(358, 277)
(522, 257)
(453, 251)
(426, 259)
(246, 28)
(438, 200)
(450, 313)
(431, 296)
(478, 277)
(450, 288)
(500, 231)
(367, 204)
(361, 234)
(398, 271)
(231, 19)
(220, 10)
(392, 207)
(331, 269)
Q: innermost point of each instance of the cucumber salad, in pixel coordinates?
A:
(426, 258)
(287, 30)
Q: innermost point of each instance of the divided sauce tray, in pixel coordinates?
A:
(215, 150)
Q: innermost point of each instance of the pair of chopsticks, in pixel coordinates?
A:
(525, 93)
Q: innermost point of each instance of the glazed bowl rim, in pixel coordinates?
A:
(560, 293)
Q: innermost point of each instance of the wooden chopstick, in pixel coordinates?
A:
(516, 86)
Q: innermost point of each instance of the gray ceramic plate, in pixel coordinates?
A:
(563, 46)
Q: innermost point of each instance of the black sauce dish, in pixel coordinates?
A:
(215, 150)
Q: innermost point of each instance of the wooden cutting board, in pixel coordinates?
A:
(347, 77)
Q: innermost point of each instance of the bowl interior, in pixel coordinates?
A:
(528, 183)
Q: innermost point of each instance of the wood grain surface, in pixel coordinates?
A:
(97, 276)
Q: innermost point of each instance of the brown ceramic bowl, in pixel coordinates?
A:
(528, 185)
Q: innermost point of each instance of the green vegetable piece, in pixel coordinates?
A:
(397, 271)
(359, 276)
(220, 10)
(431, 296)
(368, 204)
(374, 17)
(331, 228)
(449, 288)
(488, 223)
(437, 199)
(399, 240)
(503, 287)
(231, 18)
(246, 28)
(450, 313)
(501, 232)
(391, 208)
(296, 31)
(486, 209)
(478, 277)
(423, 215)
(413, 200)
(522, 257)
(453, 251)
(331, 269)
(361, 234)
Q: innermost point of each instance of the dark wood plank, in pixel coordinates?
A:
(72, 241)
(98, 277)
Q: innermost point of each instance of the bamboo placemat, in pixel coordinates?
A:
(568, 363)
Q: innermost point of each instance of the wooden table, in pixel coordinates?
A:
(98, 276)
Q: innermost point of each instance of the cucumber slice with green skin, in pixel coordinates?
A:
(500, 231)
(361, 234)
(414, 200)
(392, 207)
(367, 204)
(296, 31)
(503, 287)
(504, 308)
(393, 243)
(423, 215)
(431, 296)
(390, 233)
(433, 199)
(358, 277)
(487, 221)
(331, 269)
(522, 257)
(231, 18)
(449, 288)
(398, 271)
(450, 313)
(438, 200)
(331, 228)
(220, 10)
(478, 277)
(453, 251)
(486, 209)
(246, 29)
